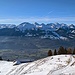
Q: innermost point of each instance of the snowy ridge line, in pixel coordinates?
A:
(51, 30)
(53, 65)
(34, 66)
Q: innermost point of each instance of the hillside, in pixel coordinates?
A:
(54, 65)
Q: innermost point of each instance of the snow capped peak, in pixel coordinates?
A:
(72, 26)
(7, 26)
(36, 23)
(50, 29)
(25, 23)
(64, 26)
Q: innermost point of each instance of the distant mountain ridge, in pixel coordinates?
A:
(50, 30)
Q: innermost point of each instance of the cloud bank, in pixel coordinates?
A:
(38, 19)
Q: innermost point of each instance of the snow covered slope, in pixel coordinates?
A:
(54, 65)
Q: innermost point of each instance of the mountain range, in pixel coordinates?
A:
(50, 30)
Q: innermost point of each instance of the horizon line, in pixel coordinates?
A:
(66, 20)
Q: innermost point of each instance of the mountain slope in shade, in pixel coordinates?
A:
(54, 65)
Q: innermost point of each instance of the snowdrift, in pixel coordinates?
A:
(54, 65)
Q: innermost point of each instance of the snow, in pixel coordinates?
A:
(54, 65)
(51, 29)
(5, 67)
(73, 31)
(63, 38)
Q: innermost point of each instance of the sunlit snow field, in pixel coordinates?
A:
(54, 65)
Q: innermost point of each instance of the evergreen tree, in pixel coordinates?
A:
(55, 52)
(0, 58)
(8, 60)
(61, 50)
(69, 51)
(74, 51)
(65, 51)
(49, 53)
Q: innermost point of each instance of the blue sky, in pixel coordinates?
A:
(46, 11)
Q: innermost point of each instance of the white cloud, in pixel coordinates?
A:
(38, 19)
